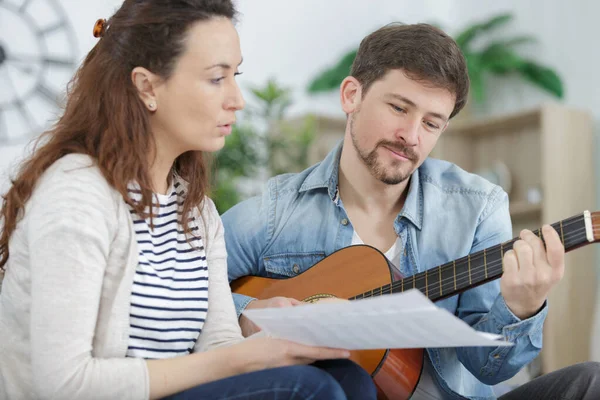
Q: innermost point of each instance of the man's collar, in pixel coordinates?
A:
(413, 205)
(326, 175)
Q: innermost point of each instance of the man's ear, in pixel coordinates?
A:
(350, 94)
(145, 83)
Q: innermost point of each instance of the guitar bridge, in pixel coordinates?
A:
(316, 297)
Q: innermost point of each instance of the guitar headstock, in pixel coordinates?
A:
(595, 216)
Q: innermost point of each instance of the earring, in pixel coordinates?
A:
(151, 106)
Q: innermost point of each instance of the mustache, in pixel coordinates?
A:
(408, 152)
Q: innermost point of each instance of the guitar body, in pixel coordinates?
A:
(343, 274)
(363, 271)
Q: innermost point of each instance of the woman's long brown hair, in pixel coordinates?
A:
(104, 116)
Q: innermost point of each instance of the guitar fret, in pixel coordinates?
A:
(485, 263)
(446, 278)
(562, 235)
(454, 264)
(440, 277)
(469, 264)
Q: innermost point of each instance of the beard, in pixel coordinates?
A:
(393, 174)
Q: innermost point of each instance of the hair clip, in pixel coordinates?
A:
(99, 28)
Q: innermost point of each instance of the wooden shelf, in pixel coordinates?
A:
(523, 209)
(496, 124)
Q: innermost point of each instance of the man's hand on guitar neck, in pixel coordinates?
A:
(249, 328)
(530, 271)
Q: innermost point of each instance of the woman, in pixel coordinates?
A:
(116, 283)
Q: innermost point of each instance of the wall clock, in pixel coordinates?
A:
(38, 56)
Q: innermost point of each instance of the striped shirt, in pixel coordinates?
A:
(169, 298)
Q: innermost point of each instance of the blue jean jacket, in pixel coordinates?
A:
(448, 213)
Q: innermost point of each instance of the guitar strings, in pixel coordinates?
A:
(481, 268)
(461, 279)
(476, 271)
(574, 235)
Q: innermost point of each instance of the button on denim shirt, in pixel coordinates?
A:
(448, 213)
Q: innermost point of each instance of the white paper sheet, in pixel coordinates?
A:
(395, 321)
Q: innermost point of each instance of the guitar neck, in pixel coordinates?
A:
(475, 269)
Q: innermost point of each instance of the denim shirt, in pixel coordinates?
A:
(448, 213)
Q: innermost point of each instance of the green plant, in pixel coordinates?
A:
(498, 57)
(262, 141)
(238, 158)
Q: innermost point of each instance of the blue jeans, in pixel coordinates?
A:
(324, 380)
(576, 382)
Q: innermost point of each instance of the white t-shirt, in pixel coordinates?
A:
(426, 389)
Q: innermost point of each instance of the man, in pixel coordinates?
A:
(378, 187)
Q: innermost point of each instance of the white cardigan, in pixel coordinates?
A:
(64, 305)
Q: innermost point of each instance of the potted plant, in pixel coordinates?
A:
(262, 144)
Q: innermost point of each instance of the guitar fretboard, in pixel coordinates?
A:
(475, 269)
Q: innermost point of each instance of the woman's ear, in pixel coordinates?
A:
(145, 82)
(350, 94)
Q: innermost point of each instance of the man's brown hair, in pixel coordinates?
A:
(424, 52)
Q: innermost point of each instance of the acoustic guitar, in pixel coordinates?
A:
(361, 271)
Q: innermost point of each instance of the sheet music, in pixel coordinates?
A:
(395, 321)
